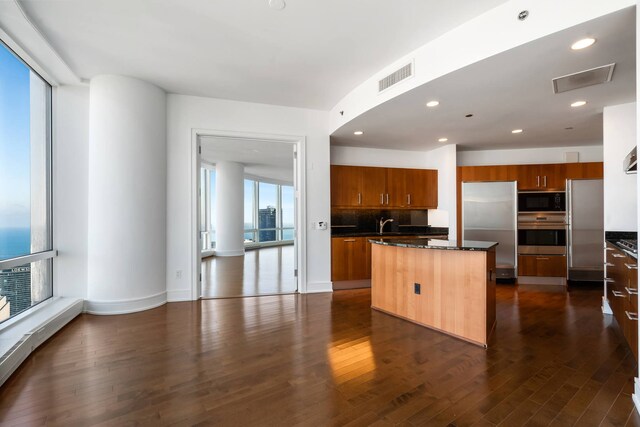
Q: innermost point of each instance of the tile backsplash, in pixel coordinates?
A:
(367, 219)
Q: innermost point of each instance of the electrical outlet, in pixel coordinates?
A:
(179, 274)
(416, 288)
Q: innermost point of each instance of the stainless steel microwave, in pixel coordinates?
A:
(542, 201)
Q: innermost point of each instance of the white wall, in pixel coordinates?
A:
(186, 113)
(443, 159)
(620, 204)
(70, 175)
(524, 156)
(126, 264)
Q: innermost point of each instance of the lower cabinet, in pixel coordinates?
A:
(350, 258)
(622, 293)
(542, 265)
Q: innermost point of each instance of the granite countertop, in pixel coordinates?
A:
(467, 245)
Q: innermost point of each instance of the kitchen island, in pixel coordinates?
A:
(438, 284)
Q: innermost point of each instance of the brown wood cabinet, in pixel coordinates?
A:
(622, 293)
(542, 177)
(542, 265)
(350, 258)
(371, 187)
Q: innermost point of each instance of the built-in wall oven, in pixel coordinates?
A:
(542, 233)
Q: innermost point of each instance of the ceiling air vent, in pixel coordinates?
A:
(395, 77)
(585, 78)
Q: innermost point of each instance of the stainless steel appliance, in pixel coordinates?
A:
(630, 163)
(586, 229)
(489, 213)
(542, 201)
(630, 245)
(543, 233)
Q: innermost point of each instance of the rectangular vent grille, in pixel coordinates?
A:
(395, 77)
(594, 76)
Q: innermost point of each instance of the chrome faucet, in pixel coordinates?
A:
(383, 222)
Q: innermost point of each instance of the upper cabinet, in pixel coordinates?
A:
(371, 187)
(542, 177)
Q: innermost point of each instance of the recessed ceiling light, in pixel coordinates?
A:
(443, 140)
(277, 4)
(516, 131)
(578, 103)
(358, 132)
(433, 104)
(583, 43)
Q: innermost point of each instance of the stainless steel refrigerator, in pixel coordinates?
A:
(585, 237)
(490, 213)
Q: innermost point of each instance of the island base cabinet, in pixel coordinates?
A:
(456, 288)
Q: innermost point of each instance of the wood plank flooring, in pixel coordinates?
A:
(328, 359)
(264, 271)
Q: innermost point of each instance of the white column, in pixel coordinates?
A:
(126, 248)
(229, 209)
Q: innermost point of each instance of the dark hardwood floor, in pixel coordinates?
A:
(328, 359)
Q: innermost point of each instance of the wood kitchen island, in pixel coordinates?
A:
(438, 284)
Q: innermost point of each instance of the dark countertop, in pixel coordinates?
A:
(467, 245)
(614, 236)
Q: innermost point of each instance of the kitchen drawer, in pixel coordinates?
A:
(542, 265)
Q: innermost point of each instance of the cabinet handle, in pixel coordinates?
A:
(608, 264)
(545, 182)
(542, 258)
(631, 316)
(631, 291)
(631, 266)
(619, 256)
(387, 198)
(409, 199)
(359, 198)
(617, 294)
(381, 199)
(608, 280)
(609, 249)
(538, 184)
(349, 240)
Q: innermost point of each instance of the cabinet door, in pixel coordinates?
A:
(346, 184)
(350, 258)
(529, 177)
(373, 188)
(422, 188)
(542, 265)
(553, 177)
(590, 170)
(397, 182)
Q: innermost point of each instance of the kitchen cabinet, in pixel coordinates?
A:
(350, 258)
(622, 292)
(542, 265)
(590, 170)
(372, 187)
(542, 177)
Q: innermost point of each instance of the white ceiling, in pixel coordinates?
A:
(270, 160)
(510, 91)
(310, 54)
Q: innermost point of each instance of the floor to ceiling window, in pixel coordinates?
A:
(270, 207)
(26, 241)
(208, 208)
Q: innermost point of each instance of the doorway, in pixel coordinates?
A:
(261, 200)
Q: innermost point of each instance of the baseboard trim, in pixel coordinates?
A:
(125, 306)
(636, 393)
(319, 287)
(20, 339)
(179, 295)
(229, 253)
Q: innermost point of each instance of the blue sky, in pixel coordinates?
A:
(14, 142)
